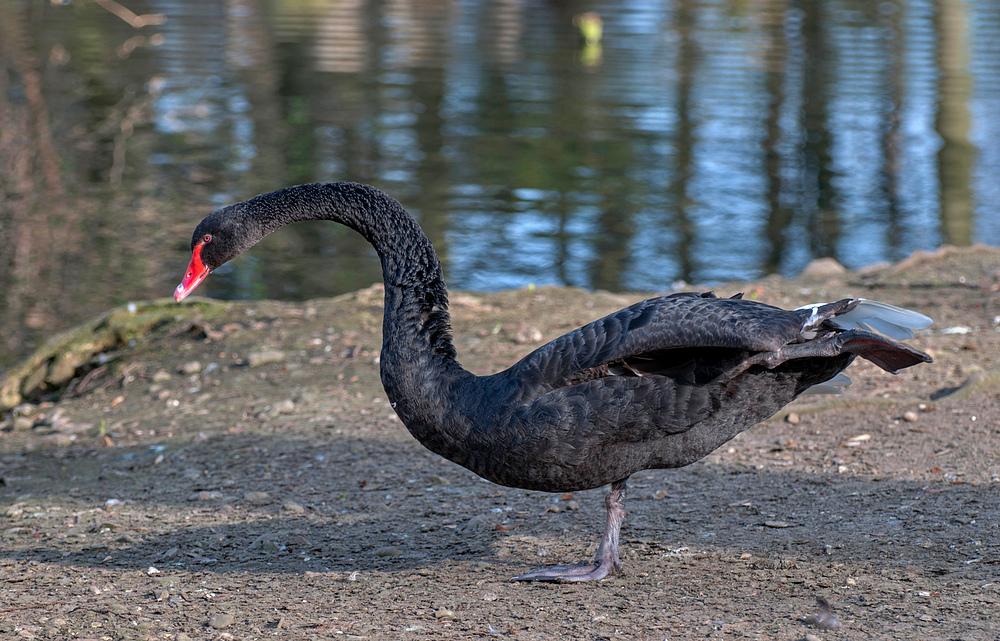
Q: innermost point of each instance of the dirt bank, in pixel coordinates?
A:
(234, 471)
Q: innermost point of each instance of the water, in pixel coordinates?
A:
(699, 141)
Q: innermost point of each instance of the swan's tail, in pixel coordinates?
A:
(870, 315)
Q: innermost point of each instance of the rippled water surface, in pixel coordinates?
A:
(695, 140)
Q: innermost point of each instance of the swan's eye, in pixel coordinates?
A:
(207, 238)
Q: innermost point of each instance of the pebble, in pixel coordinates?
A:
(24, 409)
(257, 497)
(823, 268)
(161, 376)
(23, 424)
(388, 551)
(792, 418)
(527, 334)
(286, 406)
(292, 506)
(812, 637)
(208, 495)
(777, 524)
(264, 357)
(911, 416)
(220, 621)
(191, 367)
(444, 613)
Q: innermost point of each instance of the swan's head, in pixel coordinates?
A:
(217, 240)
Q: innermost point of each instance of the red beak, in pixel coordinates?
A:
(196, 272)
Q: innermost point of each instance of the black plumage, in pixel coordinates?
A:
(659, 384)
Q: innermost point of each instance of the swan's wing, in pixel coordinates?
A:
(658, 335)
(700, 336)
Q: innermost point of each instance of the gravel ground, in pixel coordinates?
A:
(237, 473)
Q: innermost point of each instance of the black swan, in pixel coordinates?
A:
(659, 384)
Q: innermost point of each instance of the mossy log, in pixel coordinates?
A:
(59, 360)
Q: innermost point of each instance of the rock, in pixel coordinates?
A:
(24, 409)
(444, 613)
(792, 418)
(823, 268)
(777, 524)
(292, 506)
(221, 621)
(527, 334)
(208, 495)
(161, 376)
(191, 367)
(59, 438)
(22, 424)
(388, 551)
(286, 406)
(911, 416)
(265, 357)
(257, 497)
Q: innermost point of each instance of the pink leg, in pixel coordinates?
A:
(606, 562)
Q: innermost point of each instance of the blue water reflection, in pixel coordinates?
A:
(699, 141)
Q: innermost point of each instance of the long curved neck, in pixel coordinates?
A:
(418, 366)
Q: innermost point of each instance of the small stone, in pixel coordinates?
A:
(822, 268)
(161, 376)
(911, 416)
(151, 571)
(444, 613)
(527, 334)
(792, 418)
(286, 406)
(23, 424)
(182, 637)
(572, 505)
(24, 409)
(265, 357)
(257, 497)
(388, 551)
(208, 495)
(190, 367)
(162, 595)
(777, 524)
(59, 438)
(812, 637)
(555, 509)
(220, 621)
(292, 506)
